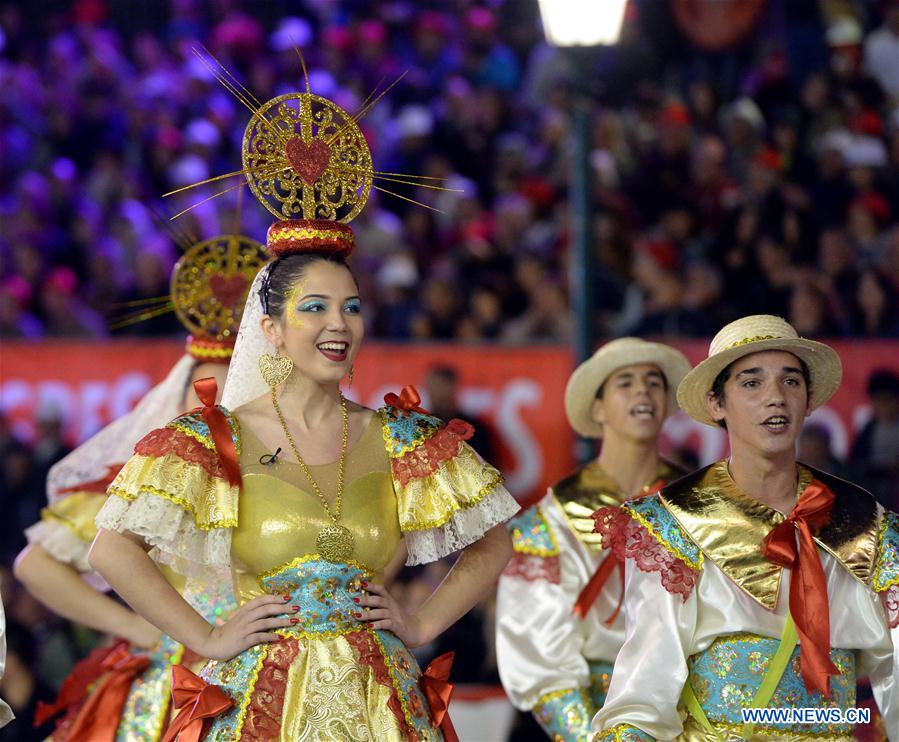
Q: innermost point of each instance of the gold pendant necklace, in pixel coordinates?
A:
(335, 542)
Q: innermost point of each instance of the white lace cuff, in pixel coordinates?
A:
(171, 530)
(464, 527)
(60, 542)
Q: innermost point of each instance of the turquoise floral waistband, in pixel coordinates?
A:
(323, 590)
(726, 676)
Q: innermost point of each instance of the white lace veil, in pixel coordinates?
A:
(115, 443)
(244, 382)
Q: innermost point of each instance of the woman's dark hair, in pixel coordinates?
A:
(724, 375)
(284, 274)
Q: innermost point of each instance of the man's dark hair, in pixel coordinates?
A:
(883, 381)
(724, 375)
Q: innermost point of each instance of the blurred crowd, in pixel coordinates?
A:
(764, 176)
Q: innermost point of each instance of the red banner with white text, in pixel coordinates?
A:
(518, 392)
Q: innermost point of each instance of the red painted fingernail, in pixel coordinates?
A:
(357, 615)
(286, 597)
(355, 600)
(295, 608)
(364, 583)
(294, 621)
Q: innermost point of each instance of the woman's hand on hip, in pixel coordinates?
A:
(251, 624)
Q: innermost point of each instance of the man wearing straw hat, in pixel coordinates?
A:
(732, 566)
(558, 620)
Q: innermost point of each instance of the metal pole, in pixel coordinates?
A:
(581, 263)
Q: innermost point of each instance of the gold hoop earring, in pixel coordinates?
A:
(352, 368)
(275, 369)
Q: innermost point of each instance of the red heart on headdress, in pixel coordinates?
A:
(228, 289)
(308, 160)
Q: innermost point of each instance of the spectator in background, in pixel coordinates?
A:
(442, 386)
(102, 111)
(21, 688)
(882, 51)
(875, 452)
(815, 450)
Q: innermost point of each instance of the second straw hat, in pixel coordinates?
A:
(590, 375)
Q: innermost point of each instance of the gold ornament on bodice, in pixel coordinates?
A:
(335, 542)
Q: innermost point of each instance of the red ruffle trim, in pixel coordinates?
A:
(164, 441)
(369, 654)
(890, 599)
(532, 568)
(263, 719)
(424, 460)
(628, 539)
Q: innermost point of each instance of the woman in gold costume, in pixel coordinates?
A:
(300, 500)
(122, 692)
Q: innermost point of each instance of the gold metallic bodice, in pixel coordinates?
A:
(280, 517)
(589, 488)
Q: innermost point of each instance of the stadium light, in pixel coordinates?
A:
(582, 23)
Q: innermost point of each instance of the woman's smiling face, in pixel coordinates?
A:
(321, 327)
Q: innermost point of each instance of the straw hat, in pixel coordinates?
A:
(592, 373)
(754, 334)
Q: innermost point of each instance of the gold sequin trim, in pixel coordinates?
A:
(756, 339)
(397, 686)
(876, 578)
(248, 691)
(202, 351)
(180, 501)
(553, 695)
(426, 525)
(207, 441)
(312, 558)
(540, 551)
(695, 564)
(299, 233)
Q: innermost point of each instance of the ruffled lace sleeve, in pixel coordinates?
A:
(447, 495)
(66, 528)
(175, 493)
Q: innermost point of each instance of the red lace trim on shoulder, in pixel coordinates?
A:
(369, 654)
(890, 600)
(164, 441)
(532, 568)
(424, 460)
(628, 539)
(263, 719)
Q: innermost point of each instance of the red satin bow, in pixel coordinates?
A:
(206, 390)
(197, 700)
(75, 687)
(596, 583)
(808, 585)
(437, 689)
(408, 399)
(98, 719)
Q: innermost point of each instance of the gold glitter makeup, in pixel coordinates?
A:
(294, 319)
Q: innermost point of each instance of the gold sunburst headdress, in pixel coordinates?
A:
(307, 162)
(208, 292)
